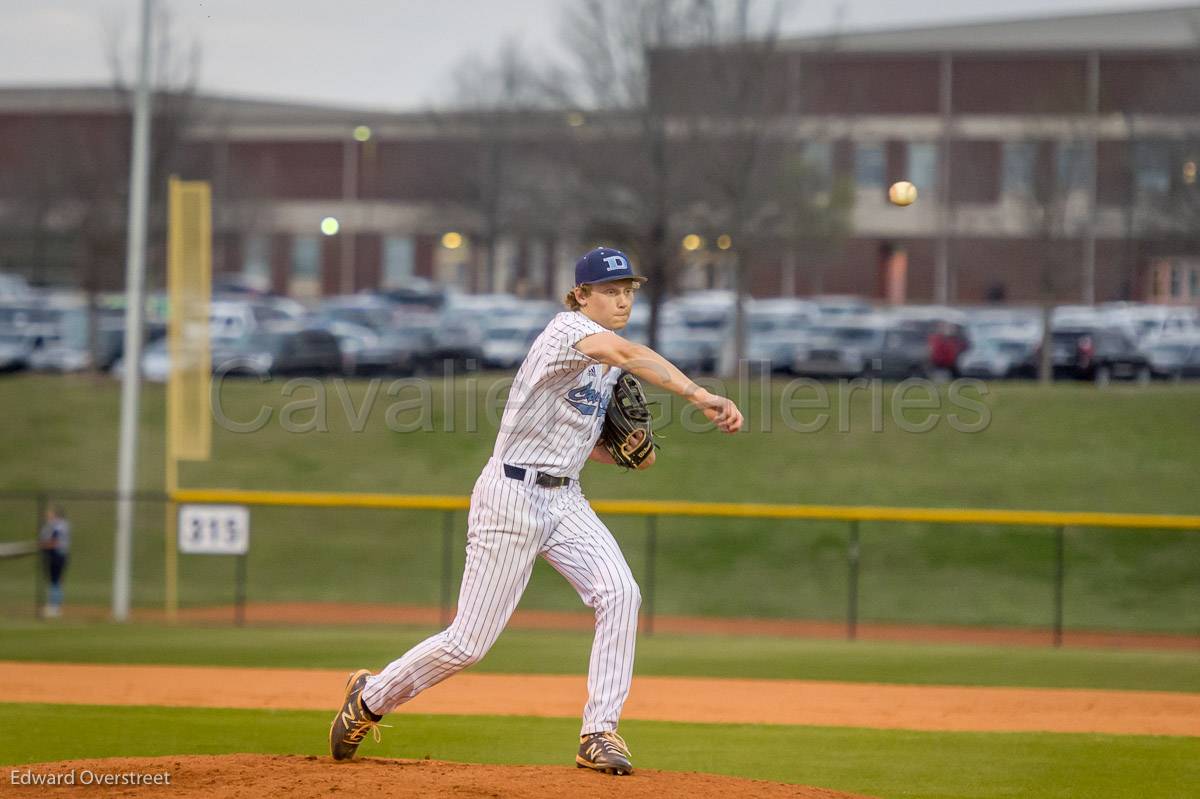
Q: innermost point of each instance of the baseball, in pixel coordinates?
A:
(902, 193)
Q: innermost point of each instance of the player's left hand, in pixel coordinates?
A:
(636, 439)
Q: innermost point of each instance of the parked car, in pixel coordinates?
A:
(834, 308)
(230, 320)
(775, 328)
(1097, 353)
(999, 357)
(506, 345)
(34, 319)
(156, 363)
(841, 349)
(415, 294)
(1174, 358)
(904, 352)
(65, 345)
(690, 350)
(361, 310)
(1154, 322)
(15, 349)
(399, 351)
(458, 339)
(13, 288)
(707, 310)
(353, 340)
(280, 349)
(990, 322)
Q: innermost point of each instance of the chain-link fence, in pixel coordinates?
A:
(721, 573)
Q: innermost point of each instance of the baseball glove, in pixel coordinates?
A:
(627, 414)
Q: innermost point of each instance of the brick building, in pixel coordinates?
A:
(1051, 155)
(1063, 149)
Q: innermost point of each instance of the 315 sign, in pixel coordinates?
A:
(214, 529)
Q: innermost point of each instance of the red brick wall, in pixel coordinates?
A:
(975, 171)
(1150, 84)
(331, 265)
(979, 267)
(368, 261)
(281, 262)
(1113, 177)
(1024, 85)
(868, 85)
(286, 170)
(422, 170)
(423, 255)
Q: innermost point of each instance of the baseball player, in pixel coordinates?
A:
(527, 502)
(54, 540)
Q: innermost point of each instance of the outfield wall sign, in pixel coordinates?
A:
(214, 529)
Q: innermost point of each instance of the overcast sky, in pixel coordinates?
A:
(377, 53)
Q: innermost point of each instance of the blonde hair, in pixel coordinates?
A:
(571, 301)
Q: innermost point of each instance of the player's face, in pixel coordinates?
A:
(611, 303)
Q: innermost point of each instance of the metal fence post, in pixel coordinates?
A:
(852, 551)
(447, 564)
(1060, 568)
(648, 591)
(39, 585)
(239, 591)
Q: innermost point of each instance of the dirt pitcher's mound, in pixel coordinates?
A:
(297, 777)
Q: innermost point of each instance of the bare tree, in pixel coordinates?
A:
(95, 171)
(627, 168)
(1052, 206)
(813, 207)
(502, 103)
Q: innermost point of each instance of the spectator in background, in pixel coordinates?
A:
(946, 343)
(55, 541)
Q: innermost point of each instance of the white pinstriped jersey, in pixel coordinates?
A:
(556, 407)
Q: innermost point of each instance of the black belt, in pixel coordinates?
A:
(542, 479)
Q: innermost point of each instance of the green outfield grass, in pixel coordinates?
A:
(545, 652)
(1069, 447)
(888, 764)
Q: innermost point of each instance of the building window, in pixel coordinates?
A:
(1072, 164)
(306, 258)
(1176, 282)
(1020, 161)
(398, 256)
(256, 261)
(868, 166)
(923, 166)
(1151, 170)
(818, 160)
(1194, 283)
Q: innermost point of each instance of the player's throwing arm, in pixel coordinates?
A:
(647, 364)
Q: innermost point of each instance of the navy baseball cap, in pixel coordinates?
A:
(604, 264)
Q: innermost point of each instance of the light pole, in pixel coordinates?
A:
(350, 167)
(135, 268)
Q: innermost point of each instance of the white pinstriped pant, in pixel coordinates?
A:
(510, 523)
